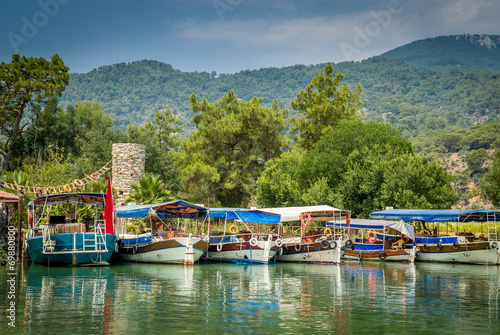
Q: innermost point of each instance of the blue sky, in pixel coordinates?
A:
(228, 36)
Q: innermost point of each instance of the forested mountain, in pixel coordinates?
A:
(413, 98)
(479, 52)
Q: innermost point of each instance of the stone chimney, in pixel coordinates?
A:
(128, 166)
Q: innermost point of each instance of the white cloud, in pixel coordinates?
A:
(354, 36)
(311, 35)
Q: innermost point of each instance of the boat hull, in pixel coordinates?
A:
(68, 250)
(317, 252)
(241, 252)
(471, 253)
(401, 255)
(177, 250)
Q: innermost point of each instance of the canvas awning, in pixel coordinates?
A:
(437, 215)
(245, 215)
(166, 210)
(403, 228)
(96, 199)
(318, 213)
(8, 197)
(220, 212)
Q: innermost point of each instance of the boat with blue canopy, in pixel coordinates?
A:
(160, 236)
(377, 240)
(310, 243)
(252, 237)
(70, 237)
(459, 247)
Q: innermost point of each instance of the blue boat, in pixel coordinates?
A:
(460, 247)
(58, 242)
(251, 245)
(167, 245)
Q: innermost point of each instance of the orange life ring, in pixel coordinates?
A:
(405, 239)
(372, 237)
(305, 218)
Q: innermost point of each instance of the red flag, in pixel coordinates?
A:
(108, 209)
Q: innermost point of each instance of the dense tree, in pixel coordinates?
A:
(28, 86)
(476, 159)
(490, 184)
(467, 51)
(82, 133)
(357, 166)
(226, 153)
(393, 90)
(160, 139)
(411, 181)
(333, 154)
(323, 104)
(167, 129)
(279, 184)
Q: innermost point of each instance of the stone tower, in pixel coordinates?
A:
(128, 166)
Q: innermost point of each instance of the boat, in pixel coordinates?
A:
(164, 241)
(52, 240)
(321, 245)
(377, 240)
(460, 247)
(250, 238)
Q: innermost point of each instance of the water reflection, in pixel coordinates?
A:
(74, 297)
(226, 298)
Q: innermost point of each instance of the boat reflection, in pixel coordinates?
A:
(286, 297)
(68, 297)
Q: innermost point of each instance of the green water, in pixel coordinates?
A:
(219, 298)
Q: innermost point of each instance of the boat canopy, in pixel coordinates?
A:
(437, 215)
(166, 210)
(318, 213)
(403, 228)
(220, 212)
(245, 215)
(96, 199)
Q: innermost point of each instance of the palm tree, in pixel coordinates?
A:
(149, 189)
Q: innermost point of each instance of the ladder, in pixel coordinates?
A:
(48, 243)
(492, 233)
(491, 219)
(97, 240)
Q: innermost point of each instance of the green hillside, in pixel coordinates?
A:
(413, 98)
(480, 52)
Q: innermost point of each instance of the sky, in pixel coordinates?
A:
(228, 36)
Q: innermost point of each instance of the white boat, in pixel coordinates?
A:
(249, 239)
(369, 240)
(461, 247)
(310, 245)
(165, 245)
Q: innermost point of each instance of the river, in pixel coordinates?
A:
(215, 298)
